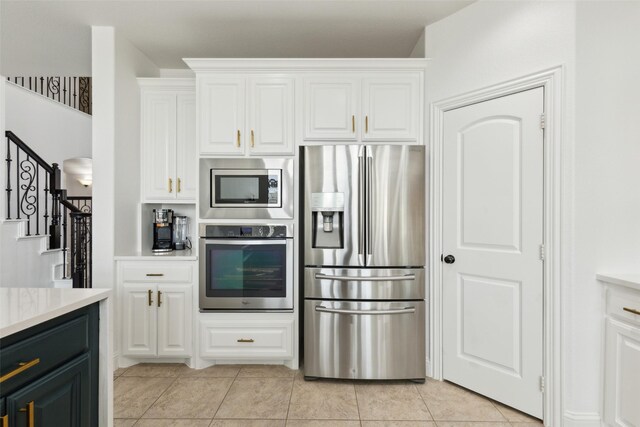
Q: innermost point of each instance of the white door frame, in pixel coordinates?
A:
(551, 80)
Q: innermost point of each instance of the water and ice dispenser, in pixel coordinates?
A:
(327, 210)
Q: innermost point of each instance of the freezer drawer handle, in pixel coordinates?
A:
(366, 279)
(367, 312)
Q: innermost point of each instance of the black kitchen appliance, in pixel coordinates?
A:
(162, 230)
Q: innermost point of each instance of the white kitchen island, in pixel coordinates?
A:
(25, 308)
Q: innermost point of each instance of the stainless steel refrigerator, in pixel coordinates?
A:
(364, 248)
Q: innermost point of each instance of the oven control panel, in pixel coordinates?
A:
(245, 231)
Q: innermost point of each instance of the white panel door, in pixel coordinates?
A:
(139, 319)
(493, 227)
(622, 374)
(221, 116)
(331, 108)
(186, 151)
(159, 145)
(174, 320)
(270, 116)
(391, 108)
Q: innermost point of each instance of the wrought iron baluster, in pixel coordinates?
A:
(8, 159)
(37, 200)
(46, 201)
(18, 182)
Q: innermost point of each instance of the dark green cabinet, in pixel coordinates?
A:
(61, 389)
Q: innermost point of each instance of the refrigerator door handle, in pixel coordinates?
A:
(405, 310)
(361, 194)
(368, 184)
(321, 276)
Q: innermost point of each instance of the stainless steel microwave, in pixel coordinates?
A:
(246, 188)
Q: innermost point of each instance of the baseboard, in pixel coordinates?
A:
(581, 419)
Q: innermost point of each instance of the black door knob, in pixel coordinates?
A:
(449, 259)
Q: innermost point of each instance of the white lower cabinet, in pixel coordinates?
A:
(257, 338)
(157, 309)
(622, 358)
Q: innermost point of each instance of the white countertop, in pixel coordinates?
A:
(22, 308)
(630, 280)
(148, 255)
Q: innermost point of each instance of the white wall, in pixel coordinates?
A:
(130, 64)
(116, 64)
(607, 176)
(490, 42)
(53, 130)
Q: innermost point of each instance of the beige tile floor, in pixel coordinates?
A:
(162, 395)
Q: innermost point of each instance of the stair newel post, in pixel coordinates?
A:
(65, 215)
(55, 188)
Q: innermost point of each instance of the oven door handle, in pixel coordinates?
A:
(245, 242)
(366, 279)
(405, 310)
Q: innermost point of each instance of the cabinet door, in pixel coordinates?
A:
(622, 374)
(174, 320)
(186, 152)
(61, 398)
(139, 329)
(221, 116)
(391, 108)
(270, 116)
(159, 145)
(331, 109)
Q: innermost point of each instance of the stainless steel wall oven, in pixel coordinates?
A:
(246, 267)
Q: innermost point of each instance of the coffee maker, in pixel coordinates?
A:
(162, 230)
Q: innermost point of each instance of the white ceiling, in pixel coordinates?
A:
(54, 37)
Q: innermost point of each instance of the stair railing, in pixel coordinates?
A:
(34, 193)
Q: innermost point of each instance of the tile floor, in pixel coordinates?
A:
(263, 396)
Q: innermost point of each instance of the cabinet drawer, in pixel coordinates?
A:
(44, 352)
(617, 301)
(154, 272)
(247, 339)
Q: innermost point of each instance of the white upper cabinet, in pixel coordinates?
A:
(371, 107)
(222, 110)
(251, 115)
(391, 108)
(270, 115)
(168, 140)
(186, 149)
(331, 108)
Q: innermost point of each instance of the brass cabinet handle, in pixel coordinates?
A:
(366, 124)
(252, 141)
(30, 413)
(159, 298)
(238, 141)
(155, 274)
(23, 366)
(245, 340)
(149, 296)
(170, 185)
(353, 124)
(5, 420)
(178, 189)
(631, 310)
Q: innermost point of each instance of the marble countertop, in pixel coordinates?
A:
(22, 308)
(630, 280)
(148, 255)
